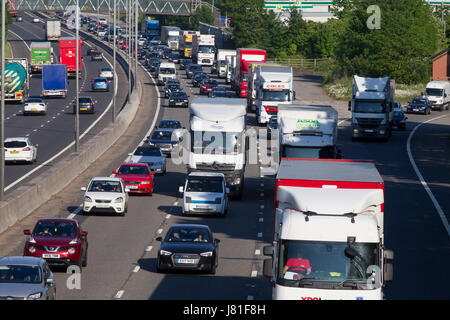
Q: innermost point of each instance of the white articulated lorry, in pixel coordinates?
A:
(372, 107)
(329, 232)
(274, 87)
(231, 67)
(218, 139)
(170, 36)
(253, 73)
(203, 49)
(308, 132)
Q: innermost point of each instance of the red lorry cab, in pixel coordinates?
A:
(67, 52)
(245, 56)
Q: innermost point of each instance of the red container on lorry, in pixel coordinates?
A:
(67, 55)
(245, 56)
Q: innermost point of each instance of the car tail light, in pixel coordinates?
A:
(91, 104)
(26, 149)
(271, 109)
(93, 83)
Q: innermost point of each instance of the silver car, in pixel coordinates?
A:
(152, 156)
(26, 278)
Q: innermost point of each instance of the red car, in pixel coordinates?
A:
(207, 85)
(137, 177)
(59, 241)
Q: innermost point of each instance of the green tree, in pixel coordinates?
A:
(202, 14)
(399, 49)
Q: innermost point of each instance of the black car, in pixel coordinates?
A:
(198, 77)
(178, 99)
(220, 92)
(153, 64)
(166, 53)
(188, 246)
(91, 51)
(171, 87)
(174, 57)
(272, 125)
(191, 69)
(153, 54)
(85, 105)
(163, 139)
(184, 63)
(419, 105)
(399, 119)
(96, 56)
(169, 124)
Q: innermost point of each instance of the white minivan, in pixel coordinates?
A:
(166, 71)
(438, 92)
(205, 193)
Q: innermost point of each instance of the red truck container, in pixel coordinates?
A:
(67, 52)
(244, 56)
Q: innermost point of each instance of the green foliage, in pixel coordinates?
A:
(202, 14)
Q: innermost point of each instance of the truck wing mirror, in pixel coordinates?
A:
(388, 272)
(268, 251)
(267, 268)
(349, 106)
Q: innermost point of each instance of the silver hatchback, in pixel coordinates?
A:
(26, 278)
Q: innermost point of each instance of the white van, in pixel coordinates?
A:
(166, 71)
(438, 92)
(205, 193)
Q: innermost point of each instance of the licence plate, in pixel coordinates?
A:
(179, 103)
(102, 205)
(50, 255)
(133, 187)
(83, 108)
(416, 109)
(370, 130)
(14, 152)
(33, 109)
(186, 261)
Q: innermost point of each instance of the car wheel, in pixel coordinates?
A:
(158, 267)
(213, 270)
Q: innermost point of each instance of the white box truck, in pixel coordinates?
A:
(203, 49)
(253, 72)
(53, 29)
(274, 87)
(218, 139)
(231, 67)
(372, 107)
(307, 132)
(438, 92)
(329, 232)
(222, 61)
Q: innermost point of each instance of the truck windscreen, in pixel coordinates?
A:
(434, 92)
(362, 106)
(216, 142)
(206, 49)
(167, 71)
(308, 152)
(325, 262)
(270, 95)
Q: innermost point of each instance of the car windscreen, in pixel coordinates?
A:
(100, 80)
(105, 186)
(148, 152)
(170, 124)
(178, 94)
(137, 170)
(35, 100)
(205, 185)
(419, 101)
(84, 100)
(55, 229)
(162, 135)
(20, 274)
(184, 234)
(15, 144)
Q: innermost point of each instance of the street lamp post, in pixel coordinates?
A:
(136, 18)
(114, 62)
(77, 57)
(2, 111)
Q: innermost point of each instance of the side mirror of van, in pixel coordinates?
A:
(180, 189)
(227, 190)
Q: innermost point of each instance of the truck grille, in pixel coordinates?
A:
(216, 166)
(369, 123)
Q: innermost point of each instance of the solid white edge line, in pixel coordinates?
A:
(422, 180)
(119, 294)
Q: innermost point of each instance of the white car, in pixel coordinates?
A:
(35, 105)
(20, 149)
(105, 194)
(101, 33)
(205, 193)
(106, 73)
(102, 21)
(36, 20)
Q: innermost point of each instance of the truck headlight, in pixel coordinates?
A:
(188, 200)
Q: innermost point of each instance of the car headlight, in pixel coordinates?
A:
(87, 199)
(32, 249)
(34, 296)
(165, 253)
(206, 254)
(145, 182)
(236, 181)
(119, 200)
(71, 251)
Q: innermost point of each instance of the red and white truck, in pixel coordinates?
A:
(67, 55)
(329, 232)
(244, 56)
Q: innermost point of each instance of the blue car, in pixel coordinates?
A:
(100, 84)
(419, 105)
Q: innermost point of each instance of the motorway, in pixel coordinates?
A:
(122, 250)
(54, 131)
